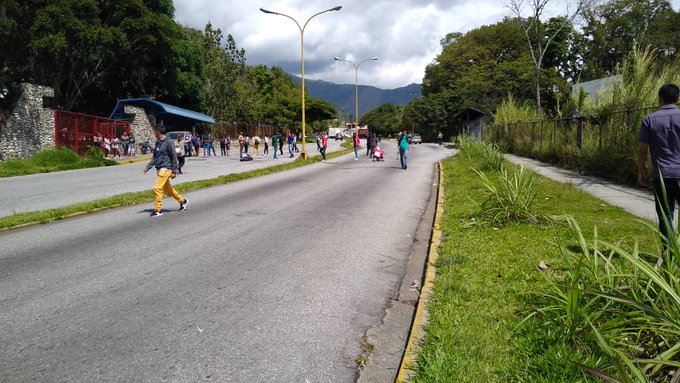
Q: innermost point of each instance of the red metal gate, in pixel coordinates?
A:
(79, 131)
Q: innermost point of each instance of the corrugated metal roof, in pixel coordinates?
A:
(161, 108)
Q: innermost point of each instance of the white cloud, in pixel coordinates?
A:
(404, 34)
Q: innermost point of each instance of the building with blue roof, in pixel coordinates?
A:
(173, 117)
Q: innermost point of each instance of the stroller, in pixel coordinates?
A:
(378, 154)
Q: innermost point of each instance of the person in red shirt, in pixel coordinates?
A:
(324, 145)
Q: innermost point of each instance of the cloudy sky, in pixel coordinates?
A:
(404, 34)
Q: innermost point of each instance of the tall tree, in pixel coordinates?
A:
(94, 51)
(384, 119)
(537, 40)
(613, 28)
(481, 67)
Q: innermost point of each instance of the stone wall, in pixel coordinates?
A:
(141, 126)
(29, 127)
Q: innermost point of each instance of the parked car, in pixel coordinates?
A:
(339, 136)
(415, 139)
(174, 134)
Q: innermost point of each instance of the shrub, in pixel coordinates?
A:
(626, 302)
(512, 199)
(483, 155)
(55, 157)
(51, 160)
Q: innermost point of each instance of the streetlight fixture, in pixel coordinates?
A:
(356, 93)
(303, 153)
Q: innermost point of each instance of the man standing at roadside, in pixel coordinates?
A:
(196, 144)
(275, 143)
(660, 136)
(281, 144)
(240, 144)
(291, 144)
(125, 140)
(165, 161)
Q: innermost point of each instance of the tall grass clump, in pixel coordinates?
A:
(482, 155)
(619, 303)
(509, 199)
(511, 111)
(52, 160)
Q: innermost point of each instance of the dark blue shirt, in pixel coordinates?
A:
(661, 131)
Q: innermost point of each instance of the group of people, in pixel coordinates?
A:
(168, 157)
(245, 141)
(116, 146)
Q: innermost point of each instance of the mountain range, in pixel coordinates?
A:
(343, 95)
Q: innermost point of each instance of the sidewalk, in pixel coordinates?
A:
(59, 189)
(636, 201)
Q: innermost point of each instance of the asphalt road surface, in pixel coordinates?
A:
(52, 190)
(273, 279)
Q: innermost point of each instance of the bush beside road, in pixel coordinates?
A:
(53, 160)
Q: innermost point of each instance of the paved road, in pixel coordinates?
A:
(273, 279)
(53, 190)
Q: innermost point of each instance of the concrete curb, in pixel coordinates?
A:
(133, 160)
(417, 327)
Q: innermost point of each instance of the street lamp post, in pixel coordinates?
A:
(303, 153)
(356, 91)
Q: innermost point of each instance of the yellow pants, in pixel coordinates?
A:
(163, 184)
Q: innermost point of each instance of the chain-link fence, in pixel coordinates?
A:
(604, 143)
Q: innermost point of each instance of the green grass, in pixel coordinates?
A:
(127, 199)
(488, 282)
(51, 160)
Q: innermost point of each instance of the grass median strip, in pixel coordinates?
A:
(490, 281)
(44, 216)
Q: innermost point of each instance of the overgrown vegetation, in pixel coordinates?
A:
(481, 155)
(539, 302)
(620, 298)
(596, 137)
(53, 160)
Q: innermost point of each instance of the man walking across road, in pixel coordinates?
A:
(165, 161)
(660, 136)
